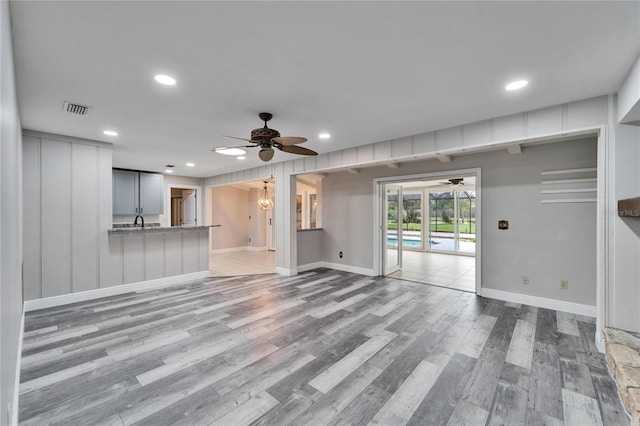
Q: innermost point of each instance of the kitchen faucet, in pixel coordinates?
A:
(135, 222)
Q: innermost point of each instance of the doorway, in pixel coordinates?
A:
(430, 228)
(184, 205)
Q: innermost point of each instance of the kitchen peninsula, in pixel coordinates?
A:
(153, 252)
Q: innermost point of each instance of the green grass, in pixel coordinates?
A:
(464, 228)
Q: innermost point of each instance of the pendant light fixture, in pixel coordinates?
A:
(264, 202)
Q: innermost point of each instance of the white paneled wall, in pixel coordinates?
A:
(67, 205)
(67, 214)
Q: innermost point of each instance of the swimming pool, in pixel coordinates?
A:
(405, 242)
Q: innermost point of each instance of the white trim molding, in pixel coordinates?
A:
(234, 249)
(540, 302)
(65, 299)
(309, 266)
(337, 266)
(287, 272)
(16, 384)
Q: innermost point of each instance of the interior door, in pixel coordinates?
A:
(189, 207)
(392, 229)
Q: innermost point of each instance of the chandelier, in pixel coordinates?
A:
(264, 202)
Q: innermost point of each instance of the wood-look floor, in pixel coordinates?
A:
(324, 347)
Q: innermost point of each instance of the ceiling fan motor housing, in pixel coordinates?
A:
(264, 134)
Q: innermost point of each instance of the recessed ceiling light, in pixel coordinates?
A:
(324, 135)
(241, 157)
(168, 171)
(190, 164)
(230, 151)
(515, 85)
(165, 79)
(110, 133)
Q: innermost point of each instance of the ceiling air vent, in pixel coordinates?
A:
(73, 108)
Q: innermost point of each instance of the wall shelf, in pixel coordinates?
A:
(629, 207)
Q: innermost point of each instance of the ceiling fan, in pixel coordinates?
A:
(454, 182)
(267, 139)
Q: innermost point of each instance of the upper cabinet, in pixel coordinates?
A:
(137, 192)
(151, 187)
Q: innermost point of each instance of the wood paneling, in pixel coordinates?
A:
(56, 218)
(85, 217)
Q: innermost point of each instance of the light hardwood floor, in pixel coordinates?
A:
(324, 347)
(242, 263)
(443, 270)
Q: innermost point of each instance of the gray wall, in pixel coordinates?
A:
(548, 242)
(67, 211)
(311, 246)
(624, 296)
(10, 220)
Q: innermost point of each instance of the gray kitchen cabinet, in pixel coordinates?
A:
(151, 199)
(137, 192)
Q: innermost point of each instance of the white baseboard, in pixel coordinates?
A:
(16, 384)
(309, 266)
(337, 267)
(287, 272)
(600, 343)
(65, 299)
(234, 249)
(231, 250)
(541, 302)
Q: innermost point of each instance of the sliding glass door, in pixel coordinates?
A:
(452, 225)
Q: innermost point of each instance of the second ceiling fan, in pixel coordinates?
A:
(267, 139)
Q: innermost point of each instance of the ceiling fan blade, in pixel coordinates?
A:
(297, 150)
(289, 140)
(242, 139)
(266, 154)
(230, 147)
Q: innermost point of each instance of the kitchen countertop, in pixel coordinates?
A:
(119, 230)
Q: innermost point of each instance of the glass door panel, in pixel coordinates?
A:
(392, 229)
(452, 221)
(412, 220)
(466, 221)
(442, 224)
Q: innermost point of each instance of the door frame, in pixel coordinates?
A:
(386, 270)
(199, 196)
(378, 214)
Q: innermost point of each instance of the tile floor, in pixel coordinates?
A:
(242, 263)
(444, 270)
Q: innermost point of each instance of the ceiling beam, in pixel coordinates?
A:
(444, 158)
(514, 149)
(393, 165)
(353, 171)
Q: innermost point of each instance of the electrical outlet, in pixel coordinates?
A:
(249, 239)
(525, 280)
(340, 254)
(564, 284)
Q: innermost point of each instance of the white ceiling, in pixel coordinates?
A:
(363, 71)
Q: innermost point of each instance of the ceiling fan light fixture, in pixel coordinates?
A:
(230, 151)
(167, 80)
(515, 85)
(265, 202)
